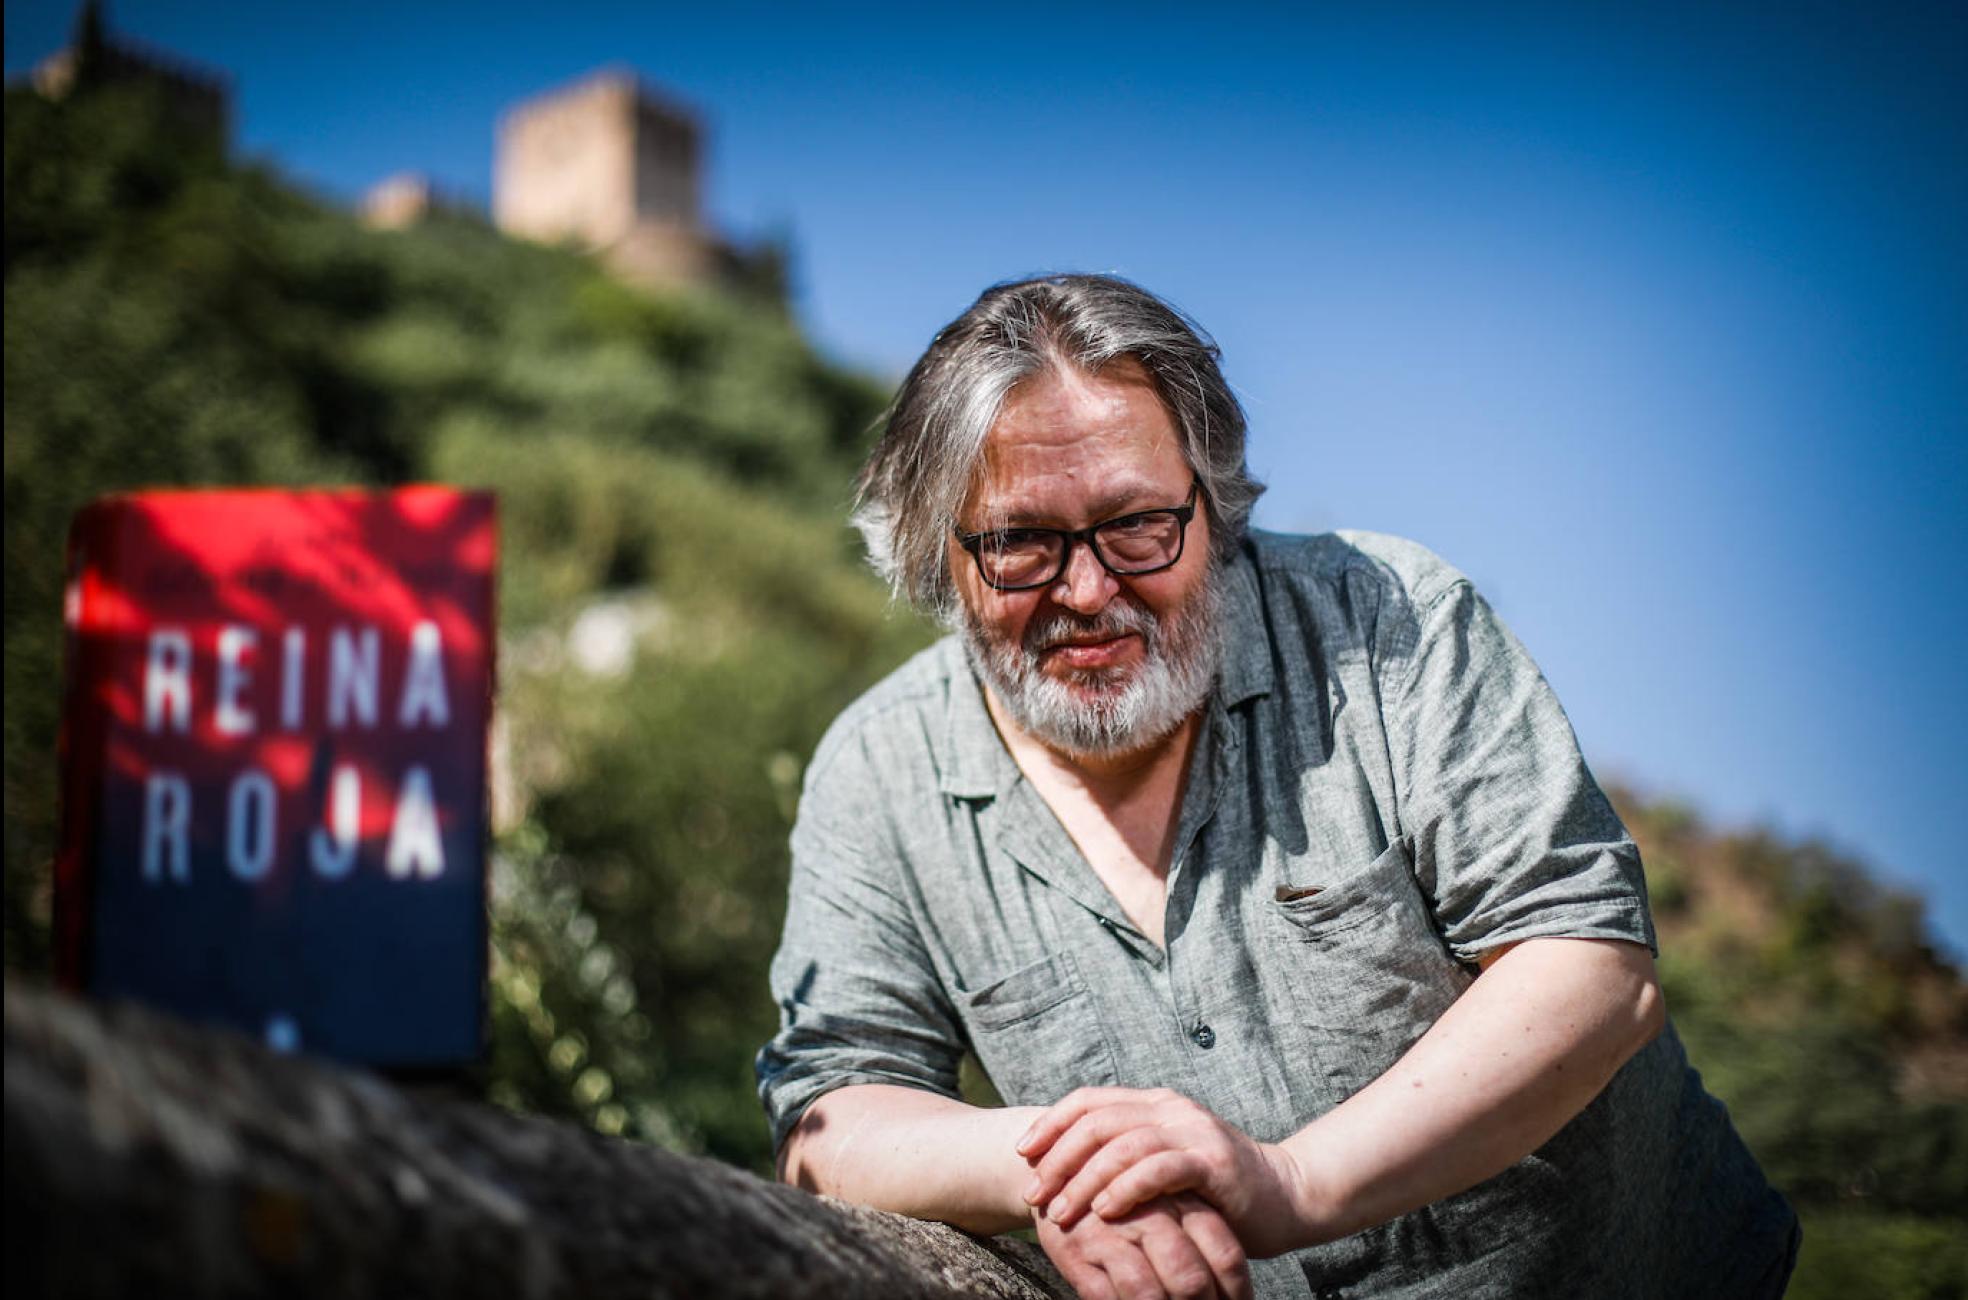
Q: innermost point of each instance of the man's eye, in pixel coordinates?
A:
(1128, 525)
(1014, 541)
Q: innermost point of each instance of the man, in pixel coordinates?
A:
(1261, 873)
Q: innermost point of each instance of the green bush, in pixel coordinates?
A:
(1880, 1256)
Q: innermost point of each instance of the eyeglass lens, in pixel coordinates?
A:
(1134, 544)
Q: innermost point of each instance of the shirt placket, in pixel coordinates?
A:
(1187, 997)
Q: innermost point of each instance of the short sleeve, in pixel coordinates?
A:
(859, 998)
(1512, 837)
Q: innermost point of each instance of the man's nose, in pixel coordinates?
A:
(1086, 586)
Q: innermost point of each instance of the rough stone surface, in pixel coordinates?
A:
(145, 1156)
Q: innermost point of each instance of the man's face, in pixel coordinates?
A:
(1093, 664)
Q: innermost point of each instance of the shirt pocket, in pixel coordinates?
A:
(1038, 1033)
(1367, 973)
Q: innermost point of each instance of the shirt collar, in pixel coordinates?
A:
(1246, 667)
(977, 765)
(973, 753)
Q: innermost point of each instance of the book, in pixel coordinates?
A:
(274, 764)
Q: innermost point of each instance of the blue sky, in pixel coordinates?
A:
(1651, 319)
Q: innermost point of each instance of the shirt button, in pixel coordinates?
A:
(1205, 1036)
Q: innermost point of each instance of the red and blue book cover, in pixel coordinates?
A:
(274, 764)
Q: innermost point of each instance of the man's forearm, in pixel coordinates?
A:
(915, 1153)
(1521, 1052)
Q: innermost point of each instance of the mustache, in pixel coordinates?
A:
(1118, 619)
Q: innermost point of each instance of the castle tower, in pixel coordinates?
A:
(607, 164)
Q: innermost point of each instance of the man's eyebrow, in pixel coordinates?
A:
(1126, 501)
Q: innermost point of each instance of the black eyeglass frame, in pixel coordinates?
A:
(1071, 537)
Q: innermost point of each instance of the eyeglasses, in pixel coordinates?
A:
(1146, 541)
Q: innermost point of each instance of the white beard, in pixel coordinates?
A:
(1103, 712)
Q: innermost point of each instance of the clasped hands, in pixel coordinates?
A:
(1193, 1193)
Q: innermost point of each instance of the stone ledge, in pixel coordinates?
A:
(146, 1156)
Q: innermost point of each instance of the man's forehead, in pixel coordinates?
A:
(1101, 431)
(1068, 491)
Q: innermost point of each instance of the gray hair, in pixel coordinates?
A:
(923, 465)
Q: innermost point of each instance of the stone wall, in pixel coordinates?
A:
(145, 1156)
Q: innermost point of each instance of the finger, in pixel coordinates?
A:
(1130, 1274)
(1156, 1173)
(1088, 1280)
(1179, 1264)
(1218, 1244)
(1079, 1257)
(1078, 1144)
(1101, 1168)
(1065, 1112)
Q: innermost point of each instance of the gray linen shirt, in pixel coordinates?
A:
(1376, 733)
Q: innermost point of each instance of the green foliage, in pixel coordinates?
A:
(1808, 998)
(643, 892)
(1884, 1257)
(1817, 1100)
(147, 342)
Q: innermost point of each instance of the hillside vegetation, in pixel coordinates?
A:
(1814, 1004)
(682, 612)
